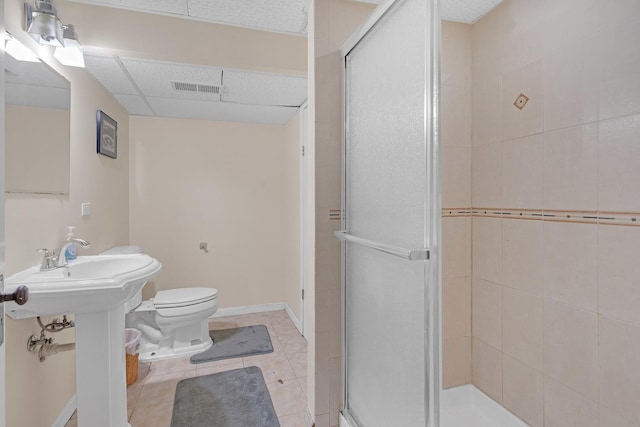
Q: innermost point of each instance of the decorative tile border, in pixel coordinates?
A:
(631, 219)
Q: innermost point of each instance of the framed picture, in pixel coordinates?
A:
(107, 135)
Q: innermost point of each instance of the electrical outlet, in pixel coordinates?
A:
(203, 247)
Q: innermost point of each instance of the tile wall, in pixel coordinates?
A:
(556, 272)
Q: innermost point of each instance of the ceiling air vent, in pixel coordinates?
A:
(197, 88)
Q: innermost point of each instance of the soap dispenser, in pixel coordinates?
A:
(71, 251)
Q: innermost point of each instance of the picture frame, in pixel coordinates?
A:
(107, 137)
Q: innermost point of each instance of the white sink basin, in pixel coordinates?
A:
(88, 284)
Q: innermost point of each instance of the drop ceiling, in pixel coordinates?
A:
(148, 88)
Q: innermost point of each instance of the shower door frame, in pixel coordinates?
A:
(433, 228)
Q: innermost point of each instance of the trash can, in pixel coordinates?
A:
(132, 341)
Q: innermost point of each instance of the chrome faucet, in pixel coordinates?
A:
(62, 259)
(49, 259)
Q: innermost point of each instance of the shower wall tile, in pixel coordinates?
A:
(620, 59)
(522, 167)
(571, 82)
(487, 312)
(522, 391)
(566, 21)
(564, 407)
(457, 368)
(487, 249)
(522, 256)
(616, 12)
(571, 264)
(619, 350)
(618, 273)
(456, 54)
(609, 418)
(619, 164)
(570, 168)
(455, 116)
(486, 184)
(571, 347)
(525, 80)
(456, 296)
(487, 108)
(487, 369)
(456, 177)
(522, 327)
(456, 247)
(521, 33)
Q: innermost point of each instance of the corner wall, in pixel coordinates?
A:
(37, 392)
(234, 186)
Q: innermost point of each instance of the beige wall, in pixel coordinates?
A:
(556, 325)
(333, 22)
(37, 392)
(231, 185)
(456, 200)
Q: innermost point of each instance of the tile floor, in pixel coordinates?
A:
(150, 398)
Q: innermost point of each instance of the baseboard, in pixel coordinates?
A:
(259, 308)
(66, 413)
(249, 309)
(293, 318)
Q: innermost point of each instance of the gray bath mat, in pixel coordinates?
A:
(236, 342)
(237, 398)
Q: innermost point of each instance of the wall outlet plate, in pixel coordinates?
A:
(85, 209)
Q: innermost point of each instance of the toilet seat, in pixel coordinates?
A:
(183, 297)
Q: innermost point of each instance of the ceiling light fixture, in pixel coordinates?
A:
(71, 54)
(19, 51)
(42, 23)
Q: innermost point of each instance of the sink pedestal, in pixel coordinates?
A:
(101, 389)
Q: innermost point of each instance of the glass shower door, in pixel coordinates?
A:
(391, 224)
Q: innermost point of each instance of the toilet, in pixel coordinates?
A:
(174, 322)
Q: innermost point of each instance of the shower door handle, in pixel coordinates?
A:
(408, 254)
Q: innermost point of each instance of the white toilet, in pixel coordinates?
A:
(174, 322)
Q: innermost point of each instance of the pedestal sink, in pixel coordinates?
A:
(95, 288)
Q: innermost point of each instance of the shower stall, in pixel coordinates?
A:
(508, 295)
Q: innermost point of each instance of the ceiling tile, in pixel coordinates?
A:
(202, 110)
(108, 72)
(134, 104)
(154, 78)
(163, 6)
(245, 87)
(278, 15)
(467, 11)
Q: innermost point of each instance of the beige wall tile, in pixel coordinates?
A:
(609, 418)
(487, 248)
(456, 54)
(456, 247)
(486, 42)
(487, 108)
(571, 80)
(618, 273)
(528, 121)
(522, 326)
(566, 21)
(456, 361)
(619, 350)
(620, 84)
(522, 391)
(571, 347)
(487, 312)
(487, 369)
(455, 116)
(615, 12)
(564, 407)
(456, 307)
(522, 255)
(570, 263)
(456, 177)
(486, 184)
(522, 168)
(619, 165)
(570, 168)
(521, 31)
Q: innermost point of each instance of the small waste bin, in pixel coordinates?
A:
(132, 341)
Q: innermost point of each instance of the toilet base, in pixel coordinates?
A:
(150, 352)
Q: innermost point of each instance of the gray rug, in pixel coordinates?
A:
(237, 398)
(236, 342)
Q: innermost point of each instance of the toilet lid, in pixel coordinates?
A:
(183, 296)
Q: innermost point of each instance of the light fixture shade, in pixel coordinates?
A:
(42, 23)
(71, 54)
(19, 51)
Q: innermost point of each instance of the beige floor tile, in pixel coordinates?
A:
(273, 368)
(298, 362)
(207, 369)
(158, 415)
(161, 388)
(167, 366)
(73, 422)
(294, 345)
(293, 420)
(303, 384)
(287, 397)
(133, 394)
